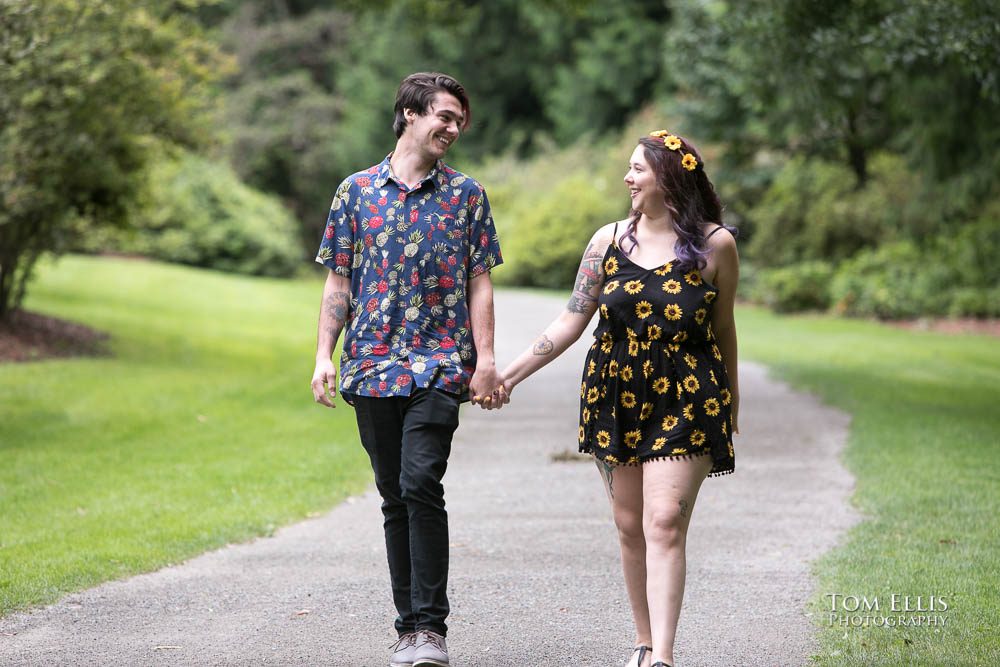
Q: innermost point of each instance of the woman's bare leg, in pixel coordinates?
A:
(624, 487)
(669, 490)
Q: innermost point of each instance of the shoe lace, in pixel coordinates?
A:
(435, 640)
(407, 640)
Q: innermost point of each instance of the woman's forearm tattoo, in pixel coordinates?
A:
(588, 277)
(543, 346)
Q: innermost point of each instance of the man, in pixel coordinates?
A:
(410, 244)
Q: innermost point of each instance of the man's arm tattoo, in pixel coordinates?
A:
(542, 346)
(337, 306)
(588, 277)
(684, 508)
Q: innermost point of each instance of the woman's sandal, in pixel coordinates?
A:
(660, 663)
(641, 650)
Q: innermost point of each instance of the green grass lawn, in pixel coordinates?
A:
(198, 430)
(925, 449)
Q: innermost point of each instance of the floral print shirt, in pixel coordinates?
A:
(410, 254)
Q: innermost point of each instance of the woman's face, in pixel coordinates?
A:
(647, 195)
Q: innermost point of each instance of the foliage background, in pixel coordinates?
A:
(854, 144)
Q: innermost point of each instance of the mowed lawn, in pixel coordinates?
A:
(197, 430)
(925, 449)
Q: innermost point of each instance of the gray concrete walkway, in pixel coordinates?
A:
(535, 572)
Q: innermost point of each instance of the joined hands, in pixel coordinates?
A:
(488, 389)
(494, 400)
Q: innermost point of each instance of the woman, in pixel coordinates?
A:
(659, 395)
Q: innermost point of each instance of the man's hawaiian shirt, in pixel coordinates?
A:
(409, 254)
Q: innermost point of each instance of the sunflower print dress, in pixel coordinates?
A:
(654, 385)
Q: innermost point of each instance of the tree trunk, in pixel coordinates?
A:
(857, 153)
(5, 281)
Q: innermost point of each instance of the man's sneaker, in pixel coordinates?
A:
(432, 651)
(404, 650)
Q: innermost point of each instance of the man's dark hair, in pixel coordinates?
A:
(417, 91)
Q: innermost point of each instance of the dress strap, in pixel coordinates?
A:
(614, 236)
(714, 230)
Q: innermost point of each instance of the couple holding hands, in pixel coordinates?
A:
(410, 244)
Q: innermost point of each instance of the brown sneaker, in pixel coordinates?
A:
(403, 650)
(432, 651)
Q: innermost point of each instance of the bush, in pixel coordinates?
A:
(804, 286)
(200, 213)
(552, 232)
(547, 208)
(895, 281)
(973, 257)
(973, 302)
(973, 252)
(814, 211)
(955, 276)
(892, 249)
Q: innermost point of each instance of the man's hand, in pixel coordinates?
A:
(486, 388)
(324, 383)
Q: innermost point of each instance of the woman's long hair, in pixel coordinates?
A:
(690, 199)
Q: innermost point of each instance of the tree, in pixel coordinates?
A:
(614, 68)
(88, 88)
(842, 80)
(281, 113)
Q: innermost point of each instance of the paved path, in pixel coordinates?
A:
(535, 573)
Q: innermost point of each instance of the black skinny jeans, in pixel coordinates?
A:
(408, 440)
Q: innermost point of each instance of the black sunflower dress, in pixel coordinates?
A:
(654, 385)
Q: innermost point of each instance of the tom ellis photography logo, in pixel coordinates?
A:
(856, 611)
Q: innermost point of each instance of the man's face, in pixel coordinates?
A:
(435, 131)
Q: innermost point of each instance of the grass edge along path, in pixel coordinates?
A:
(925, 451)
(197, 430)
(209, 373)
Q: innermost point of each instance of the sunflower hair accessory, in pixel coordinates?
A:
(673, 142)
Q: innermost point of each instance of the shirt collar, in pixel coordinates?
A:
(436, 176)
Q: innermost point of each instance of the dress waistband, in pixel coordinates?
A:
(676, 339)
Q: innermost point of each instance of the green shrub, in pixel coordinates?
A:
(749, 285)
(814, 211)
(898, 249)
(552, 233)
(798, 287)
(199, 213)
(547, 208)
(895, 281)
(973, 251)
(955, 276)
(974, 302)
(973, 257)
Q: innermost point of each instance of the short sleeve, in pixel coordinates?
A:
(336, 251)
(484, 244)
